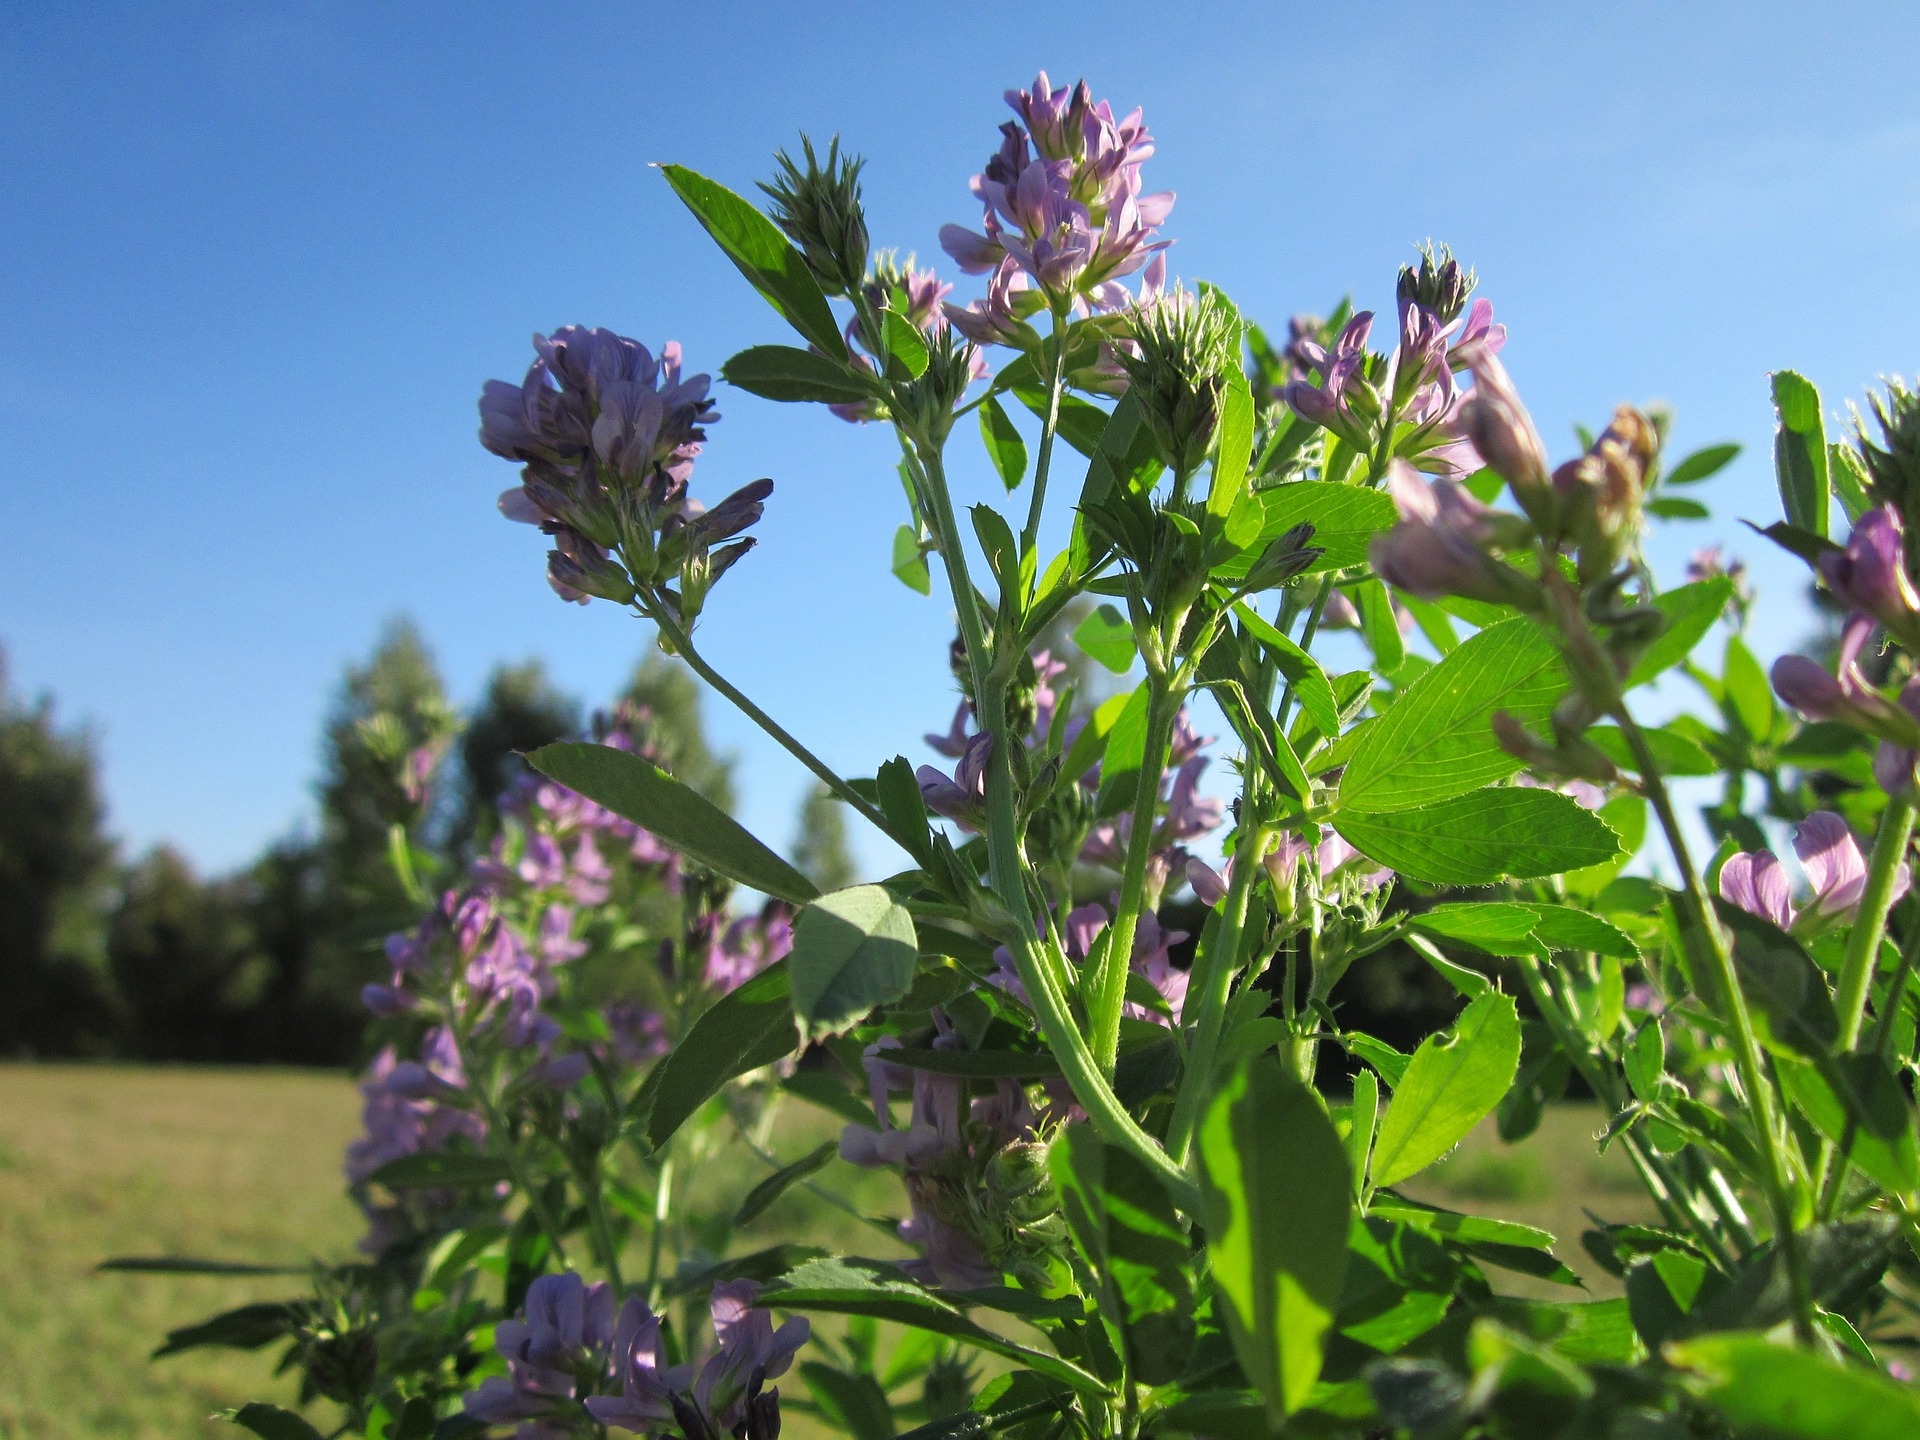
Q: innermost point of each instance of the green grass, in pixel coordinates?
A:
(245, 1165)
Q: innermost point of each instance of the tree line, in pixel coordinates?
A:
(105, 955)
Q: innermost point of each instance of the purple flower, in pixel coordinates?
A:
(1810, 691)
(963, 796)
(1503, 432)
(1830, 856)
(748, 1351)
(1343, 402)
(1870, 575)
(1895, 765)
(1070, 213)
(1439, 546)
(953, 744)
(1209, 885)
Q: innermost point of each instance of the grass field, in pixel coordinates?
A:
(245, 1165)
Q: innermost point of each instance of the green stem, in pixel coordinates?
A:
(1211, 981)
(683, 646)
(1870, 921)
(1307, 633)
(662, 1208)
(603, 1233)
(1702, 936)
(1041, 969)
(1106, 989)
(1856, 970)
(1049, 426)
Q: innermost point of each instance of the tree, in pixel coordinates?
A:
(55, 866)
(521, 710)
(820, 849)
(183, 962)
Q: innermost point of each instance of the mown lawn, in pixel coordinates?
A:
(245, 1165)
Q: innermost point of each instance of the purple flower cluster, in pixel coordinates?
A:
(1353, 397)
(485, 963)
(608, 434)
(1869, 575)
(1830, 857)
(568, 1347)
(1062, 210)
(945, 1153)
(916, 295)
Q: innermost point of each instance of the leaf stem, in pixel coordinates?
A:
(682, 643)
(1856, 969)
(1049, 427)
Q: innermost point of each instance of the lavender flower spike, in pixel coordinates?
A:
(1834, 867)
(1503, 432)
(963, 797)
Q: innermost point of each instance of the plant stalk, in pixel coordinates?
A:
(1212, 980)
(1106, 990)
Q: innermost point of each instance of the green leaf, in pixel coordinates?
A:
(270, 1422)
(1437, 740)
(1800, 453)
(1677, 507)
(788, 373)
(854, 1404)
(1561, 927)
(775, 1185)
(1309, 681)
(906, 344)
(1794, 1394)
(1850, 480)
(852, 950)
(1278, 1204)
(1478, 838)
(1345, 518)
(1107, 636)
(754, 244)
(247, 1328)
(1005, 447)
(979, 1064)
(844, 1287)
(1700, 464)
(1080, 424)
(1363, 1120)
(1452, 1084)
(1673, 752)
(910, 562)
(436, 1169)
(1125, 754)
(187, 1265)
(1391, 1063)
(642, 792)
(1784, 988)
(1690, 611)
(1380, 625)
(1091, 742)
(1749, 696)
(741, 1031)
(1235, 451)
(1495, 927)
(1867, 1112)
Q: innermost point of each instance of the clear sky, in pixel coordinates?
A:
(256, 260)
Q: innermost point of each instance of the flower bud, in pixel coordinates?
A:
(1183, 347)
(1893, 465)
(1870, 575)
(1506, 438)
(819, 209)
(1439, 284)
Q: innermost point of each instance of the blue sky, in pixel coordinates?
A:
(256, 261)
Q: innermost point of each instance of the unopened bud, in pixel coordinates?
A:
(1184, 346)
(819, 208)
(1893, 464)
(1506, 437)
(1439, 283)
